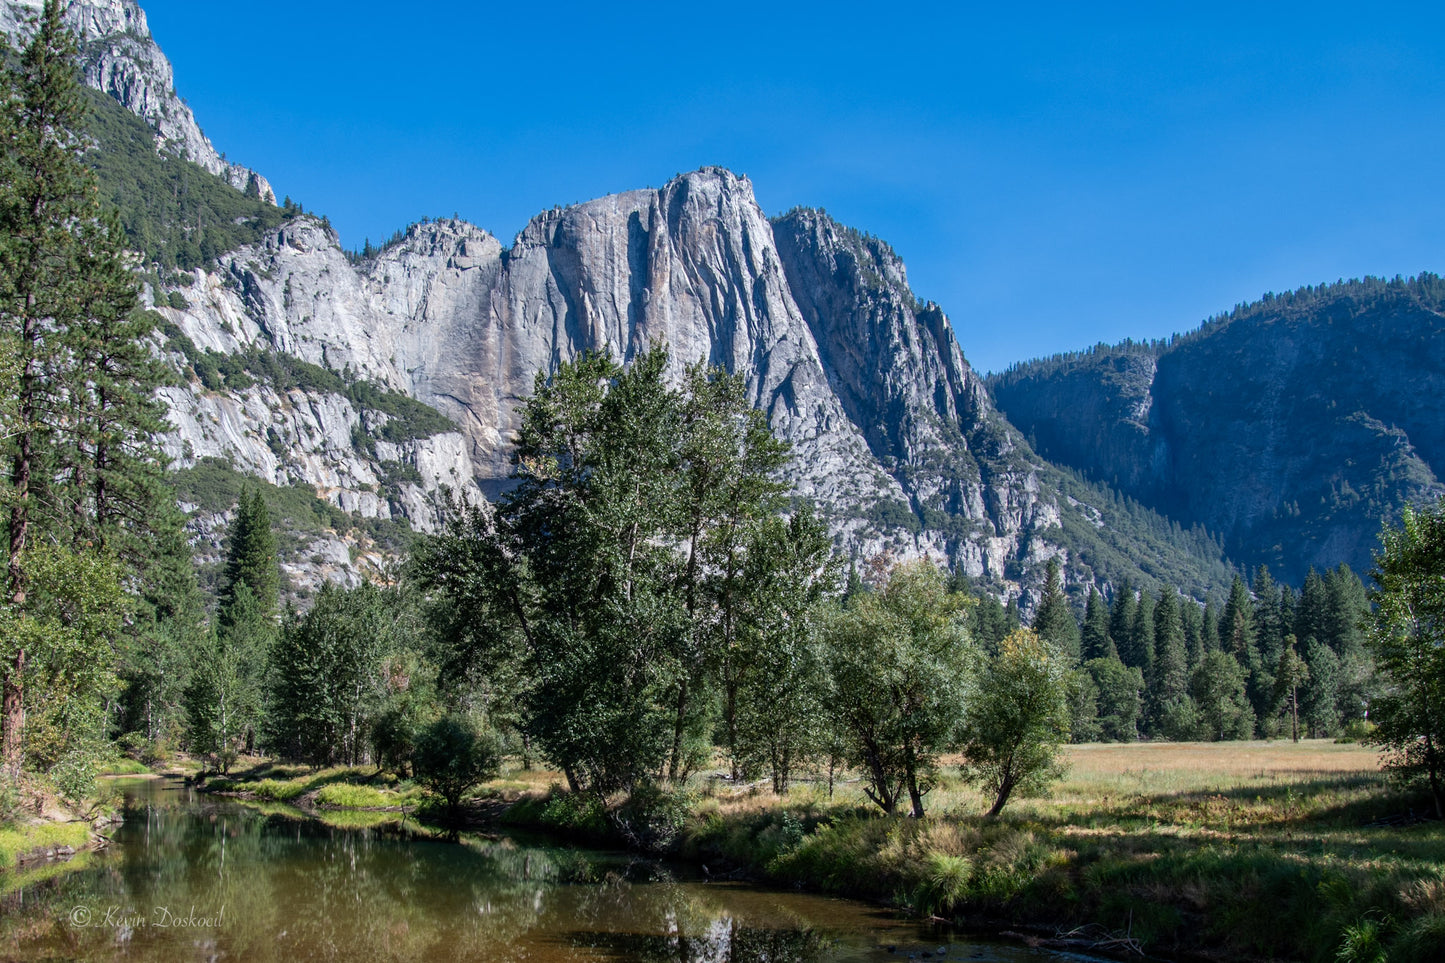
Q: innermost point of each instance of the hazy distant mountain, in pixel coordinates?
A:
(1292, 427)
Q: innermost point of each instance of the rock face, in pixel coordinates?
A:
(1291, 427)
(120, 58)
(893, 434)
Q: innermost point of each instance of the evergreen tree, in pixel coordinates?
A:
(1193, 618)
(1121, 617)
(1170, 709)
(1138, 651)
(1319, 699)
(1219, 695)
(224, 698)
(1312, 616)
(1209, 629)
(1094, 637)
(1271, 623)
(81, 453)
(1347, 614)
(990, 622)
(251, 558)
(1292, 674)
(1053, 621)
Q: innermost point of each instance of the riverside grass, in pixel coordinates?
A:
(1237, 851)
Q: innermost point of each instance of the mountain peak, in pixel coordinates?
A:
(120, 59)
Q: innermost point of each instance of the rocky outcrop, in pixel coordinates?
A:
(119, 58)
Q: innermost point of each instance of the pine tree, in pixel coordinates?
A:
(1094, 637)
(251, 558)
(1171, 712)
(1271, 624)
(1312, 615)
(1138, 651)
(1053, 621)
(81, 428)
(1290, 675)
(1121, 616)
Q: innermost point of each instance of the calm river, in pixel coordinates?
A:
(192, 877)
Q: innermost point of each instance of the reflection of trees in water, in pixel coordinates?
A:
(296, 889)
(658, 918)
(724, 941)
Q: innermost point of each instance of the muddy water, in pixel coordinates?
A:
(192, 877)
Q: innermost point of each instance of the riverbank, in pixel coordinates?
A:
(1227, 851)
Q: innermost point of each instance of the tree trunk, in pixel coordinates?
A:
(914, 796)
(14, 702)
(1004, 791)
(674, 761)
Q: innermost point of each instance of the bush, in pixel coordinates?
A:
(652, 818)
(453, 754)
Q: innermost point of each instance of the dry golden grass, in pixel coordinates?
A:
(1174, 767)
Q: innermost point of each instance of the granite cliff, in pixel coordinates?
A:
(315, 369)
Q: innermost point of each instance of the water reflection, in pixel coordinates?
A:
(192, 877)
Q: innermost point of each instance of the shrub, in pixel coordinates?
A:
(453, 754)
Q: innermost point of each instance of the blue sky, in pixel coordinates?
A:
(1053, 175)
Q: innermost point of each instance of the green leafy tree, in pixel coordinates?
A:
(1406, 635)
(1120, 698)
(1219, 694)
(454, 754)
(1017, 720)
(326, 677)
(729, 464)
(70, 626)
(774, 682)
(224, 698)
(900, 665)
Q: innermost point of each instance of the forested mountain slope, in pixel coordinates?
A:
(1291, 427)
